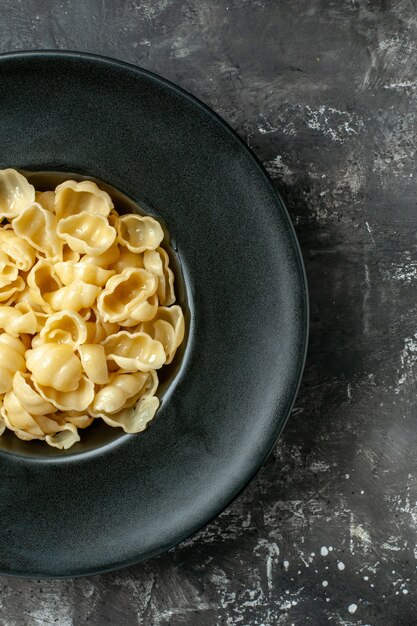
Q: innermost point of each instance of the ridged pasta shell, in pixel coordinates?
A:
(46, 199)
(9, 292)
(157, 262)
(134, 352)
(77, 400)
(15, 193)
(104, 260)
(139, 232)
(94, 363)
(38, 227)
(72, 198)
(159, 327)
(87, 272)
(28, 397)
(135, 419)
(54, 365)
(127, 259)
(65, 438)
(43, 282)
(124, 293)
(12, 352)
(87, 233)
(74, 297)
(19, 251)
(15, 322)
(121, 388)
(8, 270)
(64, 327)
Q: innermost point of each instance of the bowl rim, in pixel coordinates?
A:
(48, 53)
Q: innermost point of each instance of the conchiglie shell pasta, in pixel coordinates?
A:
(64, 327)
(143, 312)
(43, 282)
(157, 262)
(116, 395)
(14, 322)
(15, 193)
(77, 400)
(124, 293)
(46, 199)
(64, 439)
(74, 297)
(8, 270)
(12, 352)
(72, 198)
(17, 419)
(126, 260)
(20, 252)
(134, 352)
(9, 292)
(87, 233)
(159, 328)
(79, 419)
(139, 233)
(135, 419)
(68, 272)
(28, 397)
(106, 260)
(38, 227)
(94, 363)
(54, 365)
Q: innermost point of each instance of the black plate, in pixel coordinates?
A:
(116, 500)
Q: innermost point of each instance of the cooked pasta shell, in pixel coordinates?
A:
(106, 260)
(8, 270)
(72, 198)
(74, 297)
(15, 322)
(94, 363)
(98, 329)
(134, 352)
(12, 353)
(124, 293)
(69, 271)
(139, 232)
(17, 418)
(127, 259)
(168, 327)
(69, 255)
(87, 233)
(15, 193)
(143, 312)
(77, 400)
(29, 398)
(80, 419)
(46, 199)
(65, 438)
(43, 282)
(157, 262)
(116, 395)
(8, 293)
(64, 327)
(54, 365)
(135, 419)
(20, 252)
(37, 226)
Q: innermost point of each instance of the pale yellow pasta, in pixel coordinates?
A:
(21, 254)
(87, 233)
(124, 293)
(15, 193)
(87, 312)
(94, 362)
(72, 198)
(12, 360)
(74, 297)
(139, 233)
(54, 365)
(77, 400)
(14, 322)
(37, 227)
(64, 327)
(70, 271)
(167, 327)
(134, 351)
(157, 262)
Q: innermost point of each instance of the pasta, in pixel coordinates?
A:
(87, 313)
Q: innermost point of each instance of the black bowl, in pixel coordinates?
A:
(114, 500)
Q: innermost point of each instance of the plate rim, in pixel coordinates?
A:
(304, 310)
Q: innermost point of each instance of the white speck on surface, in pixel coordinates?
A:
(341, 566)
(369, 229)
(362, 492)
(330, 549)
(313, 554)
(405, 591)
(324, 551)
(347, 475)
(352, 608)
(286, 565)
(325, 583)
(366, 577)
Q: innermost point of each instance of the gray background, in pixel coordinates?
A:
(325, 93)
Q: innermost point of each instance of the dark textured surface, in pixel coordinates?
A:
(325, 93)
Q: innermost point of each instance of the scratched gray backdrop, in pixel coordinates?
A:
(325, 94)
